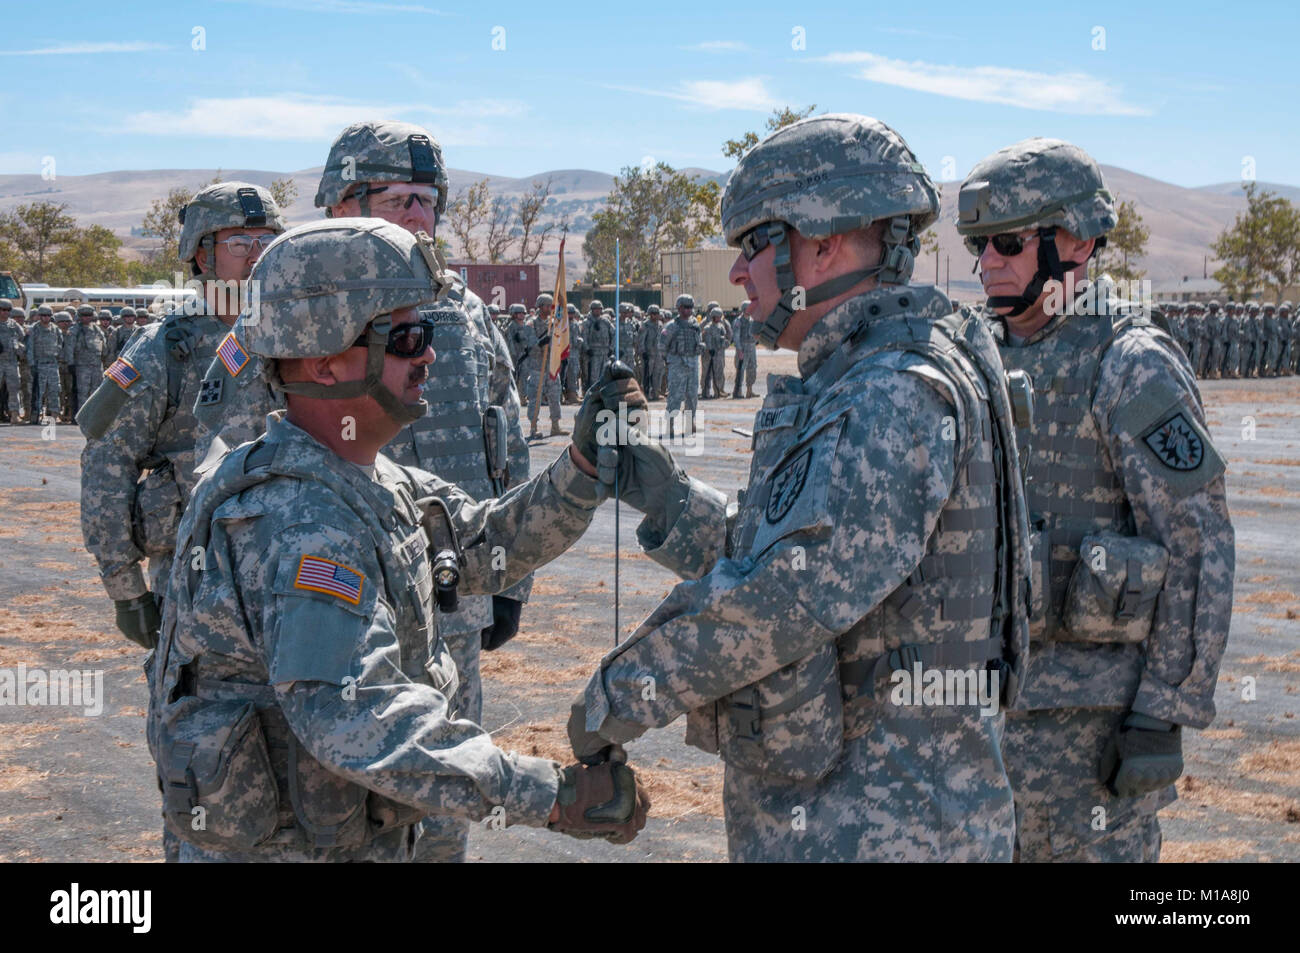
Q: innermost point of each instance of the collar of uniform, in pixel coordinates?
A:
(882, 304)
(1091, 299)
(281, 431)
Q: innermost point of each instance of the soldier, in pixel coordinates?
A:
(742, 331)
(67, 383)
(85, 355)
(1194, 329)
(105, 319)
(681, 345)
(310, 632)
(1250, 325)
(1286, 339)
(1216, 325)
(44, 348)
(573, 355)
(527, 341)
(25, 382)
(13, 353)
(1269, 341)
(1235, 349)
(541, 325)
(598, 336)
(1128, 491)
(124, 330)
(785, 672)
(650, 346)
(140, 419)
(628, 332)
(716, 336)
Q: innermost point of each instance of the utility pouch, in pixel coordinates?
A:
(1114, 588)
(156, 512)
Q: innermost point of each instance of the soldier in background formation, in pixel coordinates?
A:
(572, 360)
(598, 342)
(681, 348)
(715, 336)
(13, 353)
(742, 334)
(1236, 340)
(651, 349)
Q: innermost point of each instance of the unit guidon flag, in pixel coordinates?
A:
(232, 355)
(324, 575)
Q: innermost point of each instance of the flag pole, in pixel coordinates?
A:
(617, 322)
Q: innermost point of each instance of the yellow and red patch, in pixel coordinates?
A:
(319, 574)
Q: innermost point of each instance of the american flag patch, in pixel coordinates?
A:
(231, 354)
(121, 373)
(325, 575)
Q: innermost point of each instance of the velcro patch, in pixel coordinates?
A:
(210, 391)
(121, 373)
(787, 484)
(1176, 443)
(318, 574)
(232, 354)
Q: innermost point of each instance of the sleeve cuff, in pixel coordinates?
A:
(697, 538)
(574, 486)
(1164, 701)
(533, 789)
(600, 717)
(125, 583)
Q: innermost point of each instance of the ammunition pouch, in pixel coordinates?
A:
(1114, 588)
(156, 512)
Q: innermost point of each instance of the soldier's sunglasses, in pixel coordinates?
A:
(754, 241)
(1005, 244)
(405, 340)
(241, 245)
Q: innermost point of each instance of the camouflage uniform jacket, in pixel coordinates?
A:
(1133, 460)
(863, 529)
(313, 602)
(124, 519)
(44, 344)
(86, 345)
(13, 342)
(681, 339)
(716, 337)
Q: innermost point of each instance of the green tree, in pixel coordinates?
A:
(649, 210)
(34, 231)
(162, 223)
(1261, 249)
(284, 191)
(89, 258)
(1125, 244)
(780, 118)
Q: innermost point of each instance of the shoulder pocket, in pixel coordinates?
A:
(793, 497)
(322, 612)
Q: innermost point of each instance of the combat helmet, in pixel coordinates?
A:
(823, 176)
(321, 287)
(544, 299)
(382, 150)
(517, 309)
(596, 305)
(223, 205)
(685, 301)
(1038, 184)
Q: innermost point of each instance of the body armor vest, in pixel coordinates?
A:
(198, 694)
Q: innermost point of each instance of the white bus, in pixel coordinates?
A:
(160, 300)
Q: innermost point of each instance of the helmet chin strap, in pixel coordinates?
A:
(371, 385)
(895, 268)
(1050, 267)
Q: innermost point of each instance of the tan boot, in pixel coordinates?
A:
(556, 431)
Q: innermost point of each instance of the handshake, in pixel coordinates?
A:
(600, 796)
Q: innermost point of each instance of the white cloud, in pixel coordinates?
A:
(363, 7)
(750, 93)
(718, 46)
(311, 118)
(78, 49)
(1074, 92)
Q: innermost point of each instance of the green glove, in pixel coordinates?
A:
(1145, 755)
(616, 383)
(139, 619)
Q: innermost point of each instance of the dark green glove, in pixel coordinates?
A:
(139, 619)
(1145, 755)
(505, 623)
(616, 383)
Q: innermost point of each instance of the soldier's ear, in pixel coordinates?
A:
(201, 258)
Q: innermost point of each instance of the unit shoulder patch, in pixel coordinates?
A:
(787, 484)
(1176, 443)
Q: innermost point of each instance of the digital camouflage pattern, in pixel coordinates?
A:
(345, 667)
(772, 643)
(84, 353)
(681, 343)
(742, 330)
(44, 350)
(123, 519)
(218, 206)
(382, 151)
(13, 348)
(1119, 446)
(716, 337)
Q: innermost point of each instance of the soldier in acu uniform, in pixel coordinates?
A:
(44, 348)
(650, 347)
(306, 636)
(1135, 548)
(867, 543)
(742, 332)
(85, 355)
(598, 339)
(715, 336)
(13, 353)
(681, 345)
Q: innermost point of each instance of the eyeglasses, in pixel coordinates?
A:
(1006, 244)
(754, 241)
(399, 203)
(404, 340)
(241, 245)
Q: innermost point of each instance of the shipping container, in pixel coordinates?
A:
(501, 284)
(701, 273)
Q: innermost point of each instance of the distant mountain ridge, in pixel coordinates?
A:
(1183, 221)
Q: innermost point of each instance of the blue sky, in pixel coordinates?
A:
(1183, 92)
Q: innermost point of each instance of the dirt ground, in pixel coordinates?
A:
(78, 787)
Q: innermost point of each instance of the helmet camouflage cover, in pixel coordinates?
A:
(378, 151)
(225, 205)
(684, 301)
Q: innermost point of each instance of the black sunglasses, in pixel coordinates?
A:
(1005, 244)
(754, 241)
(404, 340)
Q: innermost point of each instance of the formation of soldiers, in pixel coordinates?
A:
(51, 362)
(661, 353)
(1236, 339)
(287, 476)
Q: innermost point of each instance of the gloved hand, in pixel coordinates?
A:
(1145, 755)
(603, 800)
(588, 747)
(505, 622)
(139, 619)
(616, 384)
